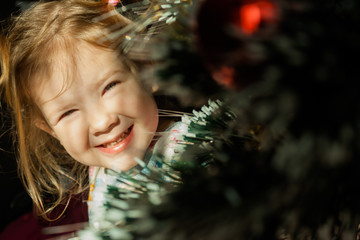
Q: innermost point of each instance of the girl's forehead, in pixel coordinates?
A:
(65, 53)
(62, 68)
(65, 57)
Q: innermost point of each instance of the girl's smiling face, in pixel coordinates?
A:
(103, 117)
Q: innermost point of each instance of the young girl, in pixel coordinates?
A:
(76, 103)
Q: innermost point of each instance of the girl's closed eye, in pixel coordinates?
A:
(110, 86)
(67, 113)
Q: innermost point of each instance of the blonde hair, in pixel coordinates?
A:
(47, 171)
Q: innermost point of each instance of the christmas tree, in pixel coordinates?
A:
(277, 157)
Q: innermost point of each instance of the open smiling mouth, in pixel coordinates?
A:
(119, 144)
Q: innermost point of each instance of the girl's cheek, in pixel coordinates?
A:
(72, 131)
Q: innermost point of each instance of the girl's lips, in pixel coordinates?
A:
(120, 146)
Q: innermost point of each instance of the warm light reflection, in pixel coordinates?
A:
(251, 15)
(113, 2)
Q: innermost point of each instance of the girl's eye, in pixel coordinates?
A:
(67, 113)
(110, 86)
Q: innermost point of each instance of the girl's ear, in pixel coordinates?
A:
(41, 124)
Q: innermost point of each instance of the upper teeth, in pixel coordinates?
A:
(122, 137)
(113, 143)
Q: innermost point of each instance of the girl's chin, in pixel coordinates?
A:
(122, 164)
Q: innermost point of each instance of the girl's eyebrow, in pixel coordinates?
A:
(57, 108)
(109, 75)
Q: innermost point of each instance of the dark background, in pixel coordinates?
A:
(14, 200)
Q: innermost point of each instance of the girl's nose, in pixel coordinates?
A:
(102, 122)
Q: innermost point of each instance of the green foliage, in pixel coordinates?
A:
(279, 157)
